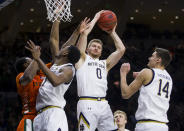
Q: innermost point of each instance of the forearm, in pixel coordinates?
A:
(118, 42)
(82, 43)
(54, 39)
(73, 38)
(49, 74)
(91, 25)
(124, 86)
(29, 73)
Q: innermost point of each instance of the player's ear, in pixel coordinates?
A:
(65, 52)
(159, 60)
(125, 121)
(87, 50)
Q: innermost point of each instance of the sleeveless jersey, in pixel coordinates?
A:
(92, 78)
(53, 96)
(153, 102)
(29, 92)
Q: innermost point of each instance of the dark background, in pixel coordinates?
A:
(142, 25)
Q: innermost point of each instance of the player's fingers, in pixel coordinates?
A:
(29, 42)
(85, 19)
(28, 48)
(88, 20)
(32, 43)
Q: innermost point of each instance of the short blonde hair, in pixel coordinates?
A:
(120, 112)
(95, 40)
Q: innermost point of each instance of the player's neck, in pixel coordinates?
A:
(94, 57)
(122, 128)
(159, 67)
(60, 61)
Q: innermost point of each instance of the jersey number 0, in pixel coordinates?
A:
(99, 73)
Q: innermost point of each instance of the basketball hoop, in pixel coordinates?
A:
(58, 10)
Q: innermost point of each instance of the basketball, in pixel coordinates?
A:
(107, 20)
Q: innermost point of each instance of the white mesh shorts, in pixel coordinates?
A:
(93, 115)
(52, 119)
(151, 126)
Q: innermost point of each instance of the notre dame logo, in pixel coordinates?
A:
(82, 127)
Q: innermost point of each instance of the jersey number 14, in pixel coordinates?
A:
(163, 89)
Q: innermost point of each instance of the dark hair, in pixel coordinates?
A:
(74, 54)
(19, 64)
(164, 55)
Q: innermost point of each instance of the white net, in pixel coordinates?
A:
(58, 10)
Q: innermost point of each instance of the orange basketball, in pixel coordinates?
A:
(107, 20)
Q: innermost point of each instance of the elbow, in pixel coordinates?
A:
(54, 83)
(125, 96)
(122, 50)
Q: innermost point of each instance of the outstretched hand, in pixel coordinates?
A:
(125, 68)
(113, 30)
(83, 25)
(97, 15)
(35, 50)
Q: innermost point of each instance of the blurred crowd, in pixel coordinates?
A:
(139, 40)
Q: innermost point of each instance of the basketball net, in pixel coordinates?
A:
(58, 10)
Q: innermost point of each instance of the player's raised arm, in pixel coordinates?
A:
(73, 38)
(120, 49)
(65, 75)
(141, 79)
(29, 73)
(54, 39)
(82, 43)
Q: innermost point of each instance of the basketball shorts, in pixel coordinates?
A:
(151, 126)
(52, 119)
(93, 115)
(26, 124)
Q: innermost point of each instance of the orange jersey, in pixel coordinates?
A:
(29, 92)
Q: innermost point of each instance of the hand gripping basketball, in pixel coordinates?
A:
(107, 20)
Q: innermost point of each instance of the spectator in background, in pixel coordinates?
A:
(120, 118)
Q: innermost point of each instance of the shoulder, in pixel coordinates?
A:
(49, 65)
(147, 75)
(146, 71)
(18, 78)
(19, 75)
(82, 59)
(67, 68)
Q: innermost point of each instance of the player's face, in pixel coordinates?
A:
(95, 49)
(120, 119)
(153, 60)
(64, 51)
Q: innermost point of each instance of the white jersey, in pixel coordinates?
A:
(92, 78)
(53, 96)
(153, 102)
